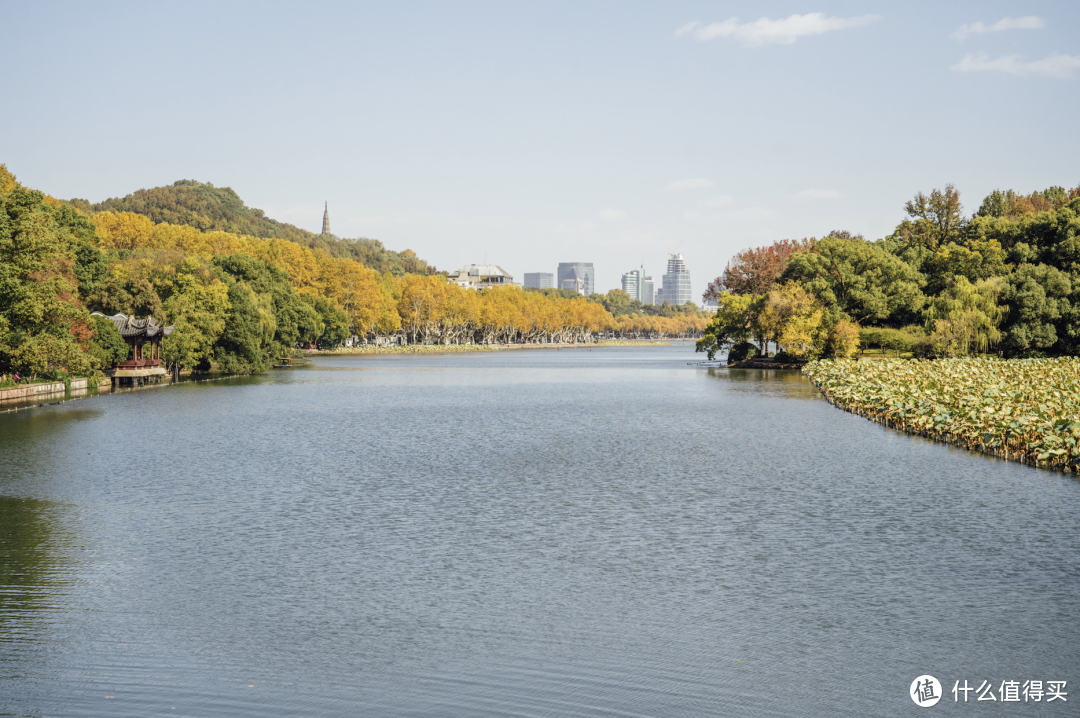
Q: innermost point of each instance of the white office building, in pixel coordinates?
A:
(638, 286)
(676, 289)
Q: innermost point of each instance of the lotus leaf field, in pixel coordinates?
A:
(1021, 410)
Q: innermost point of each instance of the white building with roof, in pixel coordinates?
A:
(482, 276)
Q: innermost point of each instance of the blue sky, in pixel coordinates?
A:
(534, 133)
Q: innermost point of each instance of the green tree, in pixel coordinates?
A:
(293, 319)
(936, 219)
(1038, 301)
(126, 294)
(240, 347)
(107, 347)
(965, 317)
(90, 268)
(197, 306)
(731, 324)
(44, 322)
(332, 328)
(862, 280)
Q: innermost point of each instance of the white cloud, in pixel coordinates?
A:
(684, 184)
(612, 215)
(1062, 66)
(820, 194)
(1028, 22)
(764, 30)
(721, 201)
(687, 28)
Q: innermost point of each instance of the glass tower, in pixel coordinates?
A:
(577, 271)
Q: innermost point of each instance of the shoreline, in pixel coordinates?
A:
(471, 348)
(43, 398)
(104, 389)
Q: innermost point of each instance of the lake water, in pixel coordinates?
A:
(534, 533)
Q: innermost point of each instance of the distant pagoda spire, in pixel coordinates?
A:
(326, 219)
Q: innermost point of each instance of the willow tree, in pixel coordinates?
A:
(965, 317)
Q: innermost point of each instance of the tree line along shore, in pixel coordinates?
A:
(242, 289)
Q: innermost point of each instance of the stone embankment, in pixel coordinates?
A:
(30, 391)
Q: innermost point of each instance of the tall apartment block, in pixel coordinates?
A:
(638, 286)
(676, 289)
(539, 280)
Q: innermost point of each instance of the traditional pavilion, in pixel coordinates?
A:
(138, 333)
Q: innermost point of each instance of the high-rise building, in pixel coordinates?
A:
(638, 286)
(326, 219)
(631, 282)
(583, 271)
(573, 280)
(539, 280)
(676, 289)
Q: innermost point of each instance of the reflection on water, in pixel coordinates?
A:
(771, 382)
(519, 533)
(30, 559)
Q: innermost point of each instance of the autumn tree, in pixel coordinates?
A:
(756, 271)
(791, 316)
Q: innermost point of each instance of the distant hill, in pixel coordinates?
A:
(210, 208)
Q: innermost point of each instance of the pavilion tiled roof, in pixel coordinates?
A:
(131, 328)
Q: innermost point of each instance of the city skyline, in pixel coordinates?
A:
(535, 133)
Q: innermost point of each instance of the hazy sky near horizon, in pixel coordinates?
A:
(532, 134)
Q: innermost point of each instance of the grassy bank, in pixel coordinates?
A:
(1024, 410)
(464, 348)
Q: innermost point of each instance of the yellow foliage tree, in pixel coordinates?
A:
(125, 230)
(792, 317)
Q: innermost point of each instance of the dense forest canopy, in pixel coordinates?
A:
(1006, 280)
(209, 208)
